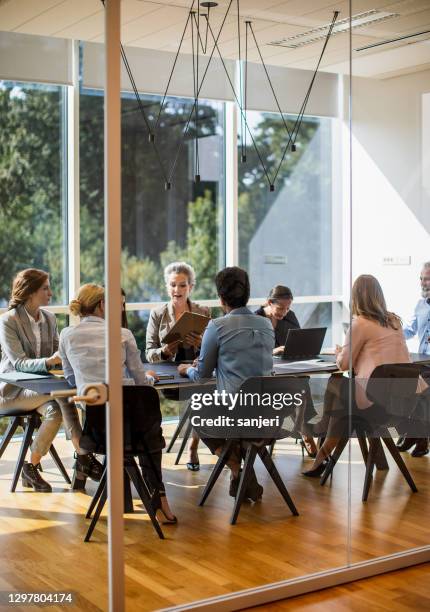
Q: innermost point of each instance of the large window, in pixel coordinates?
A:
(285, 234)
(32, 184)
(158, 225)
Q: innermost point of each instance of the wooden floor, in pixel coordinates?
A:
(400, 591)
(41, 535)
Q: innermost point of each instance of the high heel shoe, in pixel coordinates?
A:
(160, 514)
(312, 454)
(318, 471)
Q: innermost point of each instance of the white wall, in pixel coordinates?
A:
(391, 200)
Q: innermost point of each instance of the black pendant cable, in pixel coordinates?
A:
(200, 85)
(246, 90)
(240, 107)
(242, 125)
(207, 5)
(141, 108)
(298, 122)
(195, 55)
(269, 80)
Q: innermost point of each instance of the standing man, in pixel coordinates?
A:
(238, 345)
(420, 324)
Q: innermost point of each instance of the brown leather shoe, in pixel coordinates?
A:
(31, 478)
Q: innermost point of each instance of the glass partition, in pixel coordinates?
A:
(390, 241)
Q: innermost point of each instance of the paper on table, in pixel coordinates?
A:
(16, 376)
(310, 363)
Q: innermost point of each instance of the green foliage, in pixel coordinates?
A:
(31, 197)
(32, 213)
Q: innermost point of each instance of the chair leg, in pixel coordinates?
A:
(179, 427)
(276, 477)
(135, 476)
(363, 447)
(248, 464)
(184, 442)
(340, 446)
(371, 459)
(97, 494)
(59, 464)
(100, 506)
(128, 498)
(393, 450)
(222, 460)
(272, 448)
(7, 436)
(25, 445)
(381, 460)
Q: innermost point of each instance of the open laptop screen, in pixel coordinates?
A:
(304, 343)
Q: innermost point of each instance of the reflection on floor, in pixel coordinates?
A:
(399, 591)
(41, 545)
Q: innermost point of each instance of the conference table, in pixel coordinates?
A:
(170, 379)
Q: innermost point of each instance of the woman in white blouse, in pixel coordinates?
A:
(83, 352)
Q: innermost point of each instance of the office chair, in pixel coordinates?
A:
(392, 390)
(251, 447)
(29, 421)
(142, 437)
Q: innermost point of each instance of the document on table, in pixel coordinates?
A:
(309, 364)
(16, 376)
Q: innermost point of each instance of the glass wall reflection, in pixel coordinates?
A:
(390, 242)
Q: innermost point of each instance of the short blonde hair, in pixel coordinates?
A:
(88, 298)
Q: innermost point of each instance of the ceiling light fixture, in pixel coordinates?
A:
(393, 40)
(309, 37)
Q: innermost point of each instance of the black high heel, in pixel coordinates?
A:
(318, 471)
(160, 515)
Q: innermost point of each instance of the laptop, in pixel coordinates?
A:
(303, 344)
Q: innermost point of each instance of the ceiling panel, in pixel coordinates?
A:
(17, 12)
(59, 17)
(157, 21)
(85, 28)
(158, 24)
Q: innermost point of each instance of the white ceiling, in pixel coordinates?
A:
(159, 25)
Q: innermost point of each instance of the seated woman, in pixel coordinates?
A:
(82, 350)
(29, 342)
(375, 338)
(278, 309)
(180, 279)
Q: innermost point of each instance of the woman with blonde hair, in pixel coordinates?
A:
(83, 351)
(29, 343)
(374, 338)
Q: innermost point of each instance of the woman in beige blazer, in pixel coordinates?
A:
(180, 280)
(29, 343)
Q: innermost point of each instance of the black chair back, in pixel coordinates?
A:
(282, 394)
(392, 387)
(142, 423)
